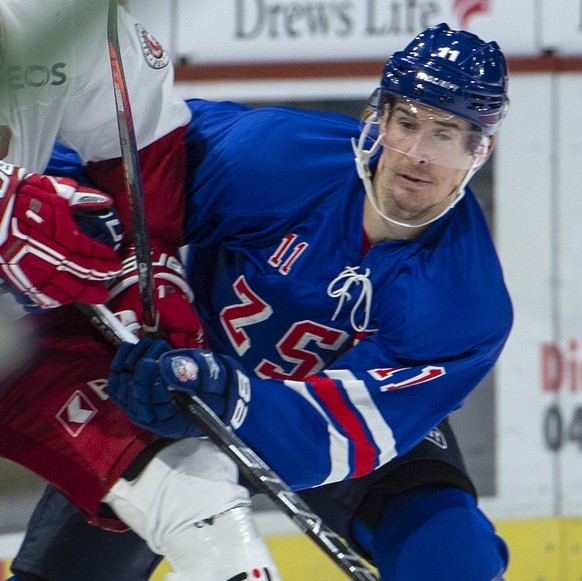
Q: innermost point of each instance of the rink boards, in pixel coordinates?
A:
(542, 549)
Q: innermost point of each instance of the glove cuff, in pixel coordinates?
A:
(165, 265)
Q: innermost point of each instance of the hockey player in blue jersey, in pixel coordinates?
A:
(350, 308)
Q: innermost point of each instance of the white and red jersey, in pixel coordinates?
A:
(56, 84)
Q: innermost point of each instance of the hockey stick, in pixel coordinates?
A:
(132, 175)
(250, 465)
(256, 471)
(253, 468)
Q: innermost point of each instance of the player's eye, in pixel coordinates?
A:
(444, 136)
(406, 124)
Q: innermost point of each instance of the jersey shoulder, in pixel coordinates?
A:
(451, 289)
(270, 161)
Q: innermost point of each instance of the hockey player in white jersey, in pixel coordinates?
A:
(56, 84)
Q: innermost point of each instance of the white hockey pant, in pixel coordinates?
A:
(188, 507)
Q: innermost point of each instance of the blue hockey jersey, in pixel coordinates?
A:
(354, 354)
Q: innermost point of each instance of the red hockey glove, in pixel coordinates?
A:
(173, 298)
(43, 252)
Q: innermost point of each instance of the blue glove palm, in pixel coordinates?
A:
(141, 385)
(135, 385)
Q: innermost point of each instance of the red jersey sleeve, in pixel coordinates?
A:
(163, 170)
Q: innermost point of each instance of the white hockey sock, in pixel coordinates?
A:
(188, 506)
(188, 481)
(225, 547)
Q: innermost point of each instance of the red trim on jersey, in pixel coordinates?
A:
(364, 453)
(163, 173)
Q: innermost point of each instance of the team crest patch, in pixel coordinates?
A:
(184, 369)
(153, 51)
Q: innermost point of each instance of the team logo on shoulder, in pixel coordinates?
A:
(184, 369)
(153, 51)
(437, 438)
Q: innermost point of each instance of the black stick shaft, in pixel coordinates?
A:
(257, 472)
(132, 175)
(269, 483)
(249, 463)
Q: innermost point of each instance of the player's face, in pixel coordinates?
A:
(426, 154)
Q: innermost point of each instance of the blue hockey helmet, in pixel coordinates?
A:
(454, 71)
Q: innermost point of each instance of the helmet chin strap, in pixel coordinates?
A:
(362, 160)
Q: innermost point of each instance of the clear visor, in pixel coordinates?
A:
(427, 135)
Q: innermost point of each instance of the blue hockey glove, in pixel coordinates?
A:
(218, 380)
(141, 386)
(136, 387)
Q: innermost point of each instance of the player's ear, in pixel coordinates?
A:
(484, 151)
(492, 141)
